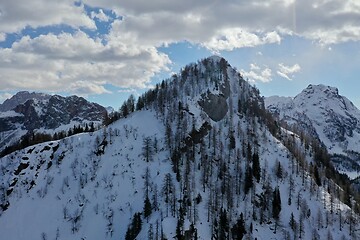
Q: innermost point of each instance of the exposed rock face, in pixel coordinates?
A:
(321, 109)
(215, 106)
(321, 112)
(45, 112)
(20, 98)
(57, 111)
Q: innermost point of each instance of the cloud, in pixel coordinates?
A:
(326, 22)
(256, 73)
(2, 37)
(84, 88)
(4, 96)
(288, 71)
(78, 63)
(230, 39)
(100, 15)
(255, 22)
(15, 15)
(128, 55)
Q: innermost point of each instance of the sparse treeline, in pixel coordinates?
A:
(236, 184)
(223, 174)
(32, 138)
(321, 168)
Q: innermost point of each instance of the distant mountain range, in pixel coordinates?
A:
(323, 113)
(28, 113)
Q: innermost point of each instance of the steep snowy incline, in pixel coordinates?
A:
(65, 187)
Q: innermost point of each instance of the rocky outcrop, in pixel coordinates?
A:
(214, 105)
(20, 98)
(45, 112)
(322, 112)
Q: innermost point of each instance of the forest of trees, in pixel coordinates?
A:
(231, 169)
(220, 174)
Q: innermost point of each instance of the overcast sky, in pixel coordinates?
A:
(107, 49)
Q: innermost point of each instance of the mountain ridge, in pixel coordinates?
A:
(20, 98)
(45, 114)
(322, 112)
(173, 167)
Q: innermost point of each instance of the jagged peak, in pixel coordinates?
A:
(321, 88)
(20, 98)
(31, 94)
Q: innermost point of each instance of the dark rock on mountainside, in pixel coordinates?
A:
(20, 98)
(214, 105)
(45, 113)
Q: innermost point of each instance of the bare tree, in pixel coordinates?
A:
(147, 149)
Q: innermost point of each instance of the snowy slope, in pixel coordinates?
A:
(193, 160)
(79, 181)
(322, 112)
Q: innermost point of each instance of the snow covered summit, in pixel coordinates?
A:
(26, 114)
(321, 111)
(196, 157)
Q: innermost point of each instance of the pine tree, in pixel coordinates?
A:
(140, 103)
(124, 110)
(131, 103)
(168, 190)
(238, 230)
(256, 167)
(134, 228)
(248, 179)
(292, 222)
(317, 176)
(147, 208)
(276, 204)
(223, 225)
(232, 144)
(147, 149)
(279, 171)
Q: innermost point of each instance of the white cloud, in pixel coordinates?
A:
(199, 21)
(2, 37)
(334, 36)
(128, 55)
(83, 88)
(18, 14)
(4, 96)
(100, 15)
(288, 71)
(256, 73)
(78, 63)
(272, 37)
(229, 39)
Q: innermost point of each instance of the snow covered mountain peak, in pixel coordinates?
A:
(321, 94)
(215, 58)
(43, 113)
(196, 157)
(311, 89)
(321, 111)
(20, 98)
